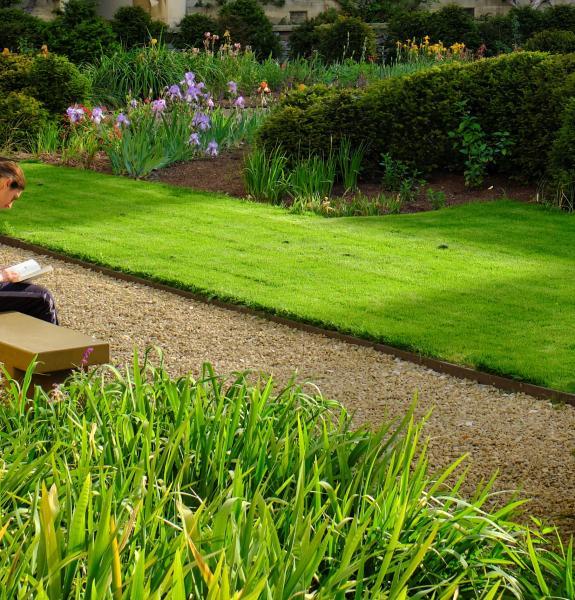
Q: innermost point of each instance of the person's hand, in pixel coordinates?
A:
(9, 276)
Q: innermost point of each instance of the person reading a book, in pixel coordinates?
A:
(15, 294)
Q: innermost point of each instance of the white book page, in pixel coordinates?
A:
(26, 269)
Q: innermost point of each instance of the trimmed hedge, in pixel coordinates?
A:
(552, 40)
(410, 117)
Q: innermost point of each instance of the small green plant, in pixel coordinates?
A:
(392, 204)
(312, 180)
(398, 177)
(349, 163)
(436, 198)
(264, 175)
(48, 140)
(478, 148)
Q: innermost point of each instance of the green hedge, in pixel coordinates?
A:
(522, 93)
(499, 33)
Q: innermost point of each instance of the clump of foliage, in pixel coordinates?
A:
(21, 118)
(34, 88)
(552, 40)
(134, 26)
(192, 29)
(20, 30)
(79, 33)
(248, 25)
(133, 484)
(347, 37)
(478, 149)
(304, 39)
(503, 93)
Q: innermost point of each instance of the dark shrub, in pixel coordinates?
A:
(56, 82)
(406, 25)
(525, 21)
(79, 33)
(496, 33)
(559, 17)
(348, 37)
(410, 117)
(134, 26)
(14, 72)
(192, 29)
(248, 25)
(552, 40)
(20, 30)
(21, 118)
(562, 156)
(452, 24)
(304, 39)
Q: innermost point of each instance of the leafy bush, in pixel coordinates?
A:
(348, 37)
(135, 484)
(20, 30)
(56, 82)
(561, 174)
(21, 119)
(134, 26)
(410, 117)
(192, 28)
(248, 25)
(304, 39)
(52, 80)
(552, 40)
(452, 24)
(79, 33)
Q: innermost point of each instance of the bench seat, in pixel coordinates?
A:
(57, 349)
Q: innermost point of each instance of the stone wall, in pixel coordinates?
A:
(292, 12)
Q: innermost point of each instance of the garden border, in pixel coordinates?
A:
(441, 366)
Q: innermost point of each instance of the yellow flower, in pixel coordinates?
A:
(153, 41)
(5, 52)
(301, 87)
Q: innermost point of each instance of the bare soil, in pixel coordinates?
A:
(224, 175)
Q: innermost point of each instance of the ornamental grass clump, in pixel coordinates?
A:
(132, 484)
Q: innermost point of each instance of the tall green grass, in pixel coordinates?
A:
(135, 485)
(145, 72)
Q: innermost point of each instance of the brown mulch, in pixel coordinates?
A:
(224, 175)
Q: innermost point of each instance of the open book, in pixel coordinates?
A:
(29, 269)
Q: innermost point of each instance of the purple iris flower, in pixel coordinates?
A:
(240, 102)
(97, 115)
(201, 121)
(233, 88)
(174, 91)
(192, 93)
(75, 114)
(159, 106)
(189, 78)
(133, 103)
(212, 149)
(194, 139)
(210, 103)
(122, 119)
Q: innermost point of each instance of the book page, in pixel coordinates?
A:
(26, 269)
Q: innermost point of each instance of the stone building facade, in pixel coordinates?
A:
(291, 13)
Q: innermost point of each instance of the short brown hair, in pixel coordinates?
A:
(11, 170)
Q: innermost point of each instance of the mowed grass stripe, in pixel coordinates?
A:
(486, 285)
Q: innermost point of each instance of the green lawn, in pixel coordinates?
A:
(501, 296)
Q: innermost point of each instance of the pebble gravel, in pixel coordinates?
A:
(528, 441)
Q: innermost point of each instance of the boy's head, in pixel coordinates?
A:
(12, 182)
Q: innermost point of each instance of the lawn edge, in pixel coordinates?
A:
(441, 366)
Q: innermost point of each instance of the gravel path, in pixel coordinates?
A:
(529, 441)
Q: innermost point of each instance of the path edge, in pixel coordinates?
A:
(441, 366)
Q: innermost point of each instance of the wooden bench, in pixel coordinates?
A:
(57, 349)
